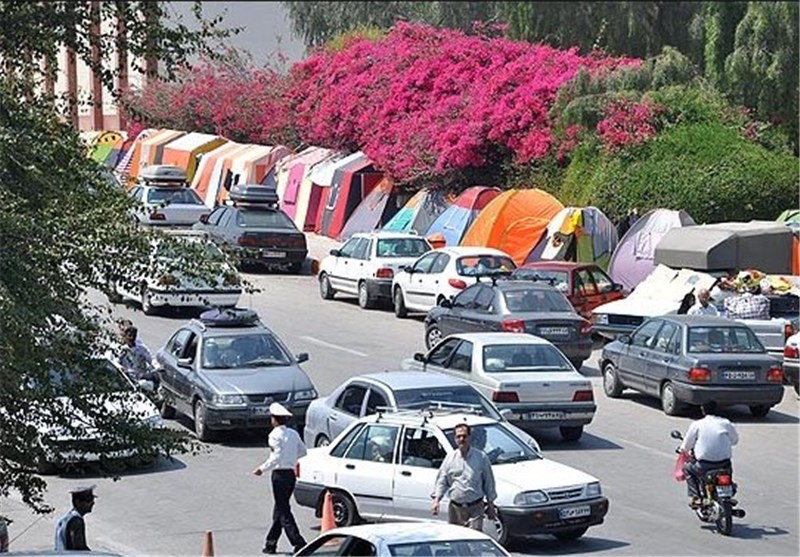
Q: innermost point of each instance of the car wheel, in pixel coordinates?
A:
(759, 410)
(147, 306)
(322, 441)
(400, 309)
(432, 336)
(167, 410)
(497, 530)
(325, 288)
(364, 299)
(669, 402)
(200, 426)
(612, 386)
(572, 534)
(344, 510)
(571, 433)
(577, 363)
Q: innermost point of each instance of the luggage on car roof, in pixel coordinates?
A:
(254, 194)
(229, 317)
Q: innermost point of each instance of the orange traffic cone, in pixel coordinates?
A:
(328, 522)
(208, 544)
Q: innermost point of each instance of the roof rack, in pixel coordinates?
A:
(254, 195)
(163, 174)
(494, 275)
(431, 409)
(536, 278)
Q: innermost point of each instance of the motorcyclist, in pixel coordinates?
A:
(710, 440)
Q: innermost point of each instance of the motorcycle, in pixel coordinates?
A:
(717, 489)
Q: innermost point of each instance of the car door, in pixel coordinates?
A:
(360, 268)
(438, 358)
(457, 318)
(418, 294)
(186, 380)
(211, 226)
(435, 279)
(606, 291)
(339, 270)
(367, 469)
(346, 409)
(420, 456)
(585, 292)
(377, 399)
(481, 318)
(168, 359)
(636, 356)
(664, 354)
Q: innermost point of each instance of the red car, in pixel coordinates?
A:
(585, 284)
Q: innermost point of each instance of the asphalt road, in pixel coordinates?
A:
(166, 508)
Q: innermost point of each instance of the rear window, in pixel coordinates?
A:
(264, 219)
(506, 358)
(402, 247)
(455, 395)
(482, 548)
(472, 265)
(183, 195)
(544, 300)
(558, 279)
(723, 339)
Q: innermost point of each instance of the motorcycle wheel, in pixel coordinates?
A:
(724, 517)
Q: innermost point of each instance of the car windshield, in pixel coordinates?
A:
(182, 195)
(402, 247)
(511, 358)
(535, 300)
(265, 218)
(243, 351)
(457, 395)
(558, 279)
(482, 548)
(499, 444)
(472, 265)
(113, 380)
(735, 340)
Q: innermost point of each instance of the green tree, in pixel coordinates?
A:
(65, 230)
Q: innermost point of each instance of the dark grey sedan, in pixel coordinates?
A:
(689, 360)
(517, 306)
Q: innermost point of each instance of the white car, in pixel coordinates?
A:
(443, 273)
(791, 361)
(392, 539)
(166, 286)
(165, 198)
(365, 265)
(384, 467)
(520, 373)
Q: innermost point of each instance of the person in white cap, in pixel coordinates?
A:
(70, 529)
(287, 448)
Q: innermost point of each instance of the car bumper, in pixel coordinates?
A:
(577, 350)
(791, 370)
(751, 395)
(612, 331)
(249, 418)
(194, 298)
(308, 495)
(551, 414)
(523, 522)
(379, 288)
(276, 256)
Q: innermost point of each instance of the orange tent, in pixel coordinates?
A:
(209, 172)
(513, 222)
(187, 150)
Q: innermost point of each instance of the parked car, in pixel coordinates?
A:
(791, 361)
(363, 395)
(521, 373)
(413, 539)
(384, 467)
(441, 274)
(166, 199)
(165, 285)
(225, 369)
(684, 359)
(585, 285)
(366, 264)
(254, 231)
(513, 306)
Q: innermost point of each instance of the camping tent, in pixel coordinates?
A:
(419, 212)
(245, 168)
(213, 178)
(513, 222)
(724, 246)
(458, 217)
(582, 234)
(375, 210)
(186, 151)
(292, 175)
(118, 151)
(133, 153)
(790, 216)
(353, 179)
(317, 179)
(633, 260)
(152, 149)
(104, 143)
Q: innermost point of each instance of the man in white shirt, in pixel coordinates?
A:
(703, 307)
(287, 449)
(711, 440)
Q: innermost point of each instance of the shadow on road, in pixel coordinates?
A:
(550, 440)
(746, 532)
(736, 414)
(237, 438)
(547, 545)
(161, 465)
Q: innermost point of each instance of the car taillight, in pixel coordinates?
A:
(699, 374)
(586, 327)
(788, 330)
(168, 280)
(775, 375)
(513, 325)
(457, 283)
(384, 272)
(791, 352)
(723, 479)
(246, 240)
(505, 396)
(157, 216)
(583, 396)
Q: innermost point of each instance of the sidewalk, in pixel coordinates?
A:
(318, 247)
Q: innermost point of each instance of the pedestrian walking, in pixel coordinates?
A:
(466, 477)
(70, 528)
(286, 449)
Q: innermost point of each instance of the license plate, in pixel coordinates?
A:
(274, 254)
(739, 375)
(261, 411)
(544, 416)
(554, 331)
(574, 512)
(725, 490)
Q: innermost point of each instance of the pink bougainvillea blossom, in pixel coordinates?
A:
(627, 123)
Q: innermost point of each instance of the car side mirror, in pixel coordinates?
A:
(335, 252)
(446, 303)
(675, 434)
(420, 357)
(204, 219)
(506, 413)
(301, 357)
(146, 386)
(624, 339)
(408, 269)
(185, 363)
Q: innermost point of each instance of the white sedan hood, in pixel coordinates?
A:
(538, 474)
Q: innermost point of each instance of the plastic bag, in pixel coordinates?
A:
(677, 473)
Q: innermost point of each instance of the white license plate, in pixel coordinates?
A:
(739, 375)
(274, 254)
(261, 411)
(725, 490)
(554, 331)
(544, 416)
(574, 512)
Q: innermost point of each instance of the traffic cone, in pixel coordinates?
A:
(314, 267)
(208, 544)
(328, 521)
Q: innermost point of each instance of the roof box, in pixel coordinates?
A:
(254, 194)
(229, 317)
(163, 173)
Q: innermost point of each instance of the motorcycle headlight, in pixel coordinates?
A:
(601, 319)
(529, 498)
(229, 400)
(593, 489)
(308, 394)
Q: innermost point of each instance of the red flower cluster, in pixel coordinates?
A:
(627, 123)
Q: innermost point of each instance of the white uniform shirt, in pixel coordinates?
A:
(287, 449)
(698, 309)
(712, 438)
(61, 530)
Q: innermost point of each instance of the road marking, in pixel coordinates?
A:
(334, 346)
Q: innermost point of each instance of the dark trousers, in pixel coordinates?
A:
(696, 470)
(282, 519)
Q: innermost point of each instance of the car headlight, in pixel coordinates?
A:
(229, 400)
(307, 394)
(601, 319)
(528, 498)
(593, 489)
